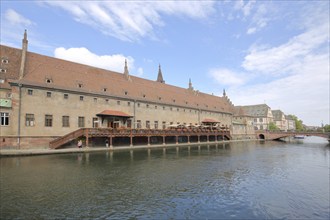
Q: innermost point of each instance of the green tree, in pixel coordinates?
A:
(326, 128)
(272, 127)
(299, 123)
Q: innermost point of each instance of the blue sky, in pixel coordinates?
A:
(273, 52)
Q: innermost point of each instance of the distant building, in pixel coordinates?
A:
(261, 114)
(280, 120)
(291, 123)
(242, 124)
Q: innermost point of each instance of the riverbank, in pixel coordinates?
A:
(34, 152)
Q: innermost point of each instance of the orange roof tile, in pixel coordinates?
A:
(208, 120)
(113, 113)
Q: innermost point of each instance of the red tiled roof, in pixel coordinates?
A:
(208, 120)
(113, 113)
(67, 75)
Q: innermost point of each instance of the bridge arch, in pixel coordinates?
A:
(262, 136)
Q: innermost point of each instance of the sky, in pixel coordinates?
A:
(260, 52)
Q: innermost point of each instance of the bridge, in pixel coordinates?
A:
(275, 135)
(132, 137)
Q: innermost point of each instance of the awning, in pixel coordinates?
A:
(208, 120)
(114, 113)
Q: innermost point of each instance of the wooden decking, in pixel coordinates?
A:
(146, 135)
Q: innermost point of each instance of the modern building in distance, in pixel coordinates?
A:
(42, 98)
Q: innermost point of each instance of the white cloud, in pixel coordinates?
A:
(82, 55)
(227, 77)
(305, 94)
(260, 18)
(12, 27)
(130, 21)
(293, 76)
(139, 71)
(245, 8)
(15, 18)
(285, 58)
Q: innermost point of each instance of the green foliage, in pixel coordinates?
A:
(272, 127)
(326, 128)
(299, 123)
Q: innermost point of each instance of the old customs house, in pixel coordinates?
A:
(44, 98)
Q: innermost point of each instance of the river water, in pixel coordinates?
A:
(245, 180)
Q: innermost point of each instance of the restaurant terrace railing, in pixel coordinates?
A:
(87, 133)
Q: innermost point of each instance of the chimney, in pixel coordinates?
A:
(23, 58)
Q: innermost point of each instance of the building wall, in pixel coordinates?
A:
(243, 128)
(39, 104)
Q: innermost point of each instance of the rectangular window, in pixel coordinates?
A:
(48, 120)
(30, 92)
(138, 104)
(49, 94)
(95, 122)
(118, 102)
(128, 104)
(148, 124)
(138, 123)
(81, 98)
(29, 120)
(66, 96)
(156, 124)
(255, 120)
(95, 99)
(260, 120)
(4, 118)
(164, 124)
(81, 122)
(129, 123)
(65, 121)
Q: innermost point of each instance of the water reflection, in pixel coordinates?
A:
(238, 180)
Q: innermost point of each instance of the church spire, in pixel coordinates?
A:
(160, 75)
(126, 73)
(224, 93)
(190, 85)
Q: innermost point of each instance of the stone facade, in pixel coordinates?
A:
(261, 114)
(242, 124)
(280, 120)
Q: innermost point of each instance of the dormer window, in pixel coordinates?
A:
(126, 93)
(3, 70)
(104, 89)
(49, 81)
(144, 95)
(173, 100)
(160, 98)
(80, 85)
(4, 60)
